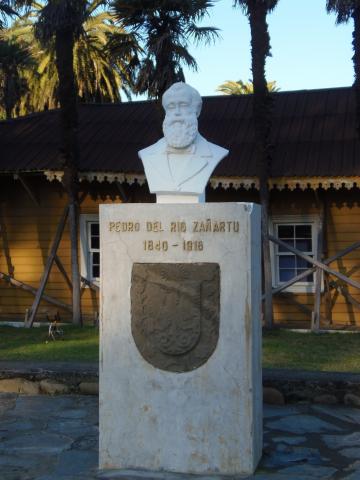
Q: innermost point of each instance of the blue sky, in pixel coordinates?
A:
(308, 49)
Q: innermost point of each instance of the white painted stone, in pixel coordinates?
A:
(205, 421)
(184, 198)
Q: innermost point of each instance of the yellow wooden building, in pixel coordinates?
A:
(314, 198)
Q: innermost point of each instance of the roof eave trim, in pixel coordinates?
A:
(247, 183)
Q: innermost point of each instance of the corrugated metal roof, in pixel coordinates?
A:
(313, 134)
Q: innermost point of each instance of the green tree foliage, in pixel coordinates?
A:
(346, 10)
(164, 29)
(10, 8)
(98, 77)
(230, 87)
(15, 60)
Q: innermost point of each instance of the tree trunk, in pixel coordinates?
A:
(356, 62)
(8, 95)
(64, 44)
(260, 49)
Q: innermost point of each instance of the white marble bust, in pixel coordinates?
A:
(179, 165)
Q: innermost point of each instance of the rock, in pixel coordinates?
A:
(89, 388)
(302, 424)
(352, 400)
(7, 402)
(272, 396)
(353, 452)
(307, 471)
(302, 395)
(337, 442)
(19, 385)
(326, 399)
(51, 387)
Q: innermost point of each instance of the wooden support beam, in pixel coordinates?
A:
(27, 188)
(48, 266)
(326, 276)
(3, 234)
(89, 284)
(335, 283)
(316, 263)
(328, 299)
(315, 316)
(311, 270)
(63, 271)
(75, 274)
(291, 296)
(349, 298)
(121, 191)
(293, 280)
(83, 196)
(33, 291)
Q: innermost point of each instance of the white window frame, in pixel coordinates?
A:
(313, 220)
(85, 258)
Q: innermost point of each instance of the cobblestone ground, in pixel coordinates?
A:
(56, 438)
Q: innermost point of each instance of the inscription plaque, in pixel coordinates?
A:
(175, 313)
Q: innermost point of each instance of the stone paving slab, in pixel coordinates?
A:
(56, 438)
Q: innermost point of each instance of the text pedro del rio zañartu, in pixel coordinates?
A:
(156, 226)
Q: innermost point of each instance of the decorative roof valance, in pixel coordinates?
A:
(281, 183)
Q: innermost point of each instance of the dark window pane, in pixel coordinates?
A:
(287, 261)
(288, 242)
(94, 228)
(285, 231)
(301, 263)
(96, 258)
(304, 245)
(286, 274)
(95, 242)
(303, 231)
(309, 278)
(96, 271)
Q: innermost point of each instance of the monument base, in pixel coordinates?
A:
(180, 198)
(180, 361)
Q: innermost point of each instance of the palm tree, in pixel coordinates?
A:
(9, 8)
(14, 61)
(346, 10)
(241, 88)
(164, 28)
(61, 21)
(99, 78)
(257, 11)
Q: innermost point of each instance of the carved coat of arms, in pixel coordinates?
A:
(175, 313)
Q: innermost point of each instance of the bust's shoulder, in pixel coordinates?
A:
(153, 149)
(216, 150)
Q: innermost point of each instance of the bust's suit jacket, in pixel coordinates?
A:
(198, 165)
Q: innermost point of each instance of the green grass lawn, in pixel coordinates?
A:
(338, 352)
(326, 352)
(77, 343)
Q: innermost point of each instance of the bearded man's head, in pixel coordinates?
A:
(182, 105)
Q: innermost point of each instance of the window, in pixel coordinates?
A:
(299, 232)
(90, 247)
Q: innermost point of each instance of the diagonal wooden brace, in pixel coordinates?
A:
(317, 263)
(304, 274)
(49, 263)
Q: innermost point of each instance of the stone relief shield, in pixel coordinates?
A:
(175, 311)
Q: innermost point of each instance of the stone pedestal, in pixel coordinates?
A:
(180, 360)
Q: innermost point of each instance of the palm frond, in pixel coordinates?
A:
(207, 35)
(164, 28)
(246, 5)
(342, 8)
